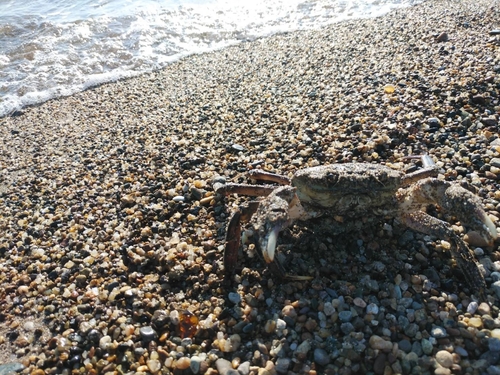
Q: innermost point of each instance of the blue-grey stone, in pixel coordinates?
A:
(461, 351)
(345, 316)
(411, 330)
(398, 294)
(427, 346)
(403, 321)
(417, 348)
(321, 357)
(346, 328)
(472, 307)
(234, 297)
(195, 364)
(372, 308)
(496, 288)
(248, 328)
(282, 365)
(493, 370)
(406, 302)
(494, 344)
(244, 368)
(405, 345)
(416, 306)
(11, 367)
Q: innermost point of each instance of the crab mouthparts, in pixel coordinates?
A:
(491, 228)
(270, 248)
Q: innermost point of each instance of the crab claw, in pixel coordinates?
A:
(459, 202)
(467, 207)
(271, 218)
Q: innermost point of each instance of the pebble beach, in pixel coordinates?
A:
(112, 237)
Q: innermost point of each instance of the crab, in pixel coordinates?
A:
(350, 192)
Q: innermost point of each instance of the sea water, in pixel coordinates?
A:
(53, 48)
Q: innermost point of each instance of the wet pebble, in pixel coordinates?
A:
(147, 333)
(321, 357)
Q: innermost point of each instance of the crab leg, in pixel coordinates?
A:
(454, 200)
(429, 170)
(233, 234)
(424, 223)
(244, 189)
(261, 175)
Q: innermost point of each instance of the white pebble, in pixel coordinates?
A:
(472, 307)
(372, 309)
(280, 324)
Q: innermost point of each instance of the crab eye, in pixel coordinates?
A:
(332, 178)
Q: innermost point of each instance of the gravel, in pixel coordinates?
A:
(111, 236)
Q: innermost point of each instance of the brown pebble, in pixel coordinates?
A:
(183, 363)
(484, 309)
(289, 311)
(359, 302)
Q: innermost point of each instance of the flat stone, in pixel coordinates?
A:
(8, 368)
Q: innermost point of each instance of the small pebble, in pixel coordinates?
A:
(377, 342)
(444, 358)
(438, 332)
(234, 298)
(494, 344)
(372, 308)
(321, 357)
(147, 333)
(224, 367)
(427, 346)
(359, 302)
(472, 307)
(282, 365)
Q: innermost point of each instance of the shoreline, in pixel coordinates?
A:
(110, 229)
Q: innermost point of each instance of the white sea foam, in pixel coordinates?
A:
(53, 48)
